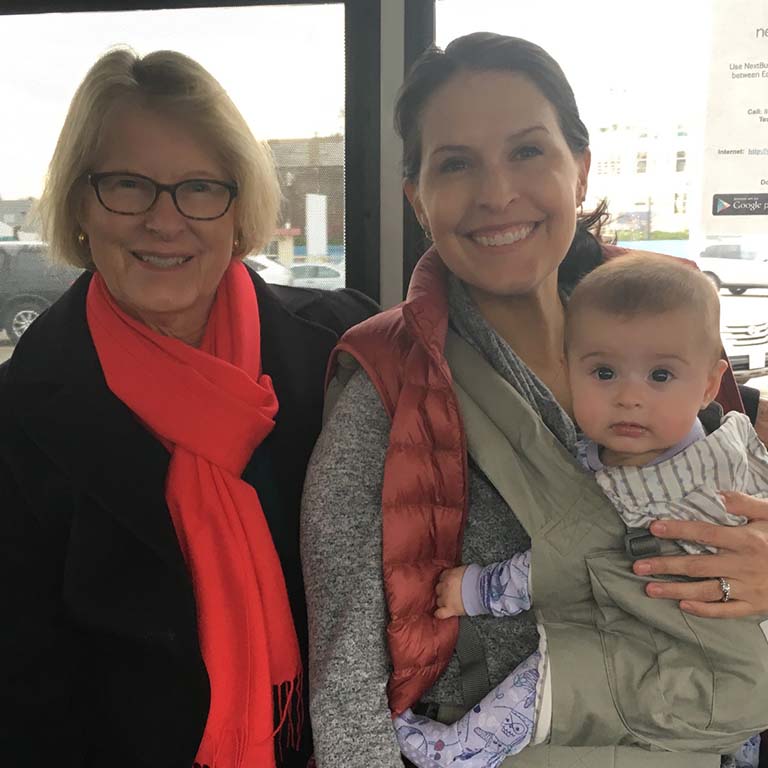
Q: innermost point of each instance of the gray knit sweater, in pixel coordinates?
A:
(341, 555)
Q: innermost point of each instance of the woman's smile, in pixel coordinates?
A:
(509, 234)
(162, 261)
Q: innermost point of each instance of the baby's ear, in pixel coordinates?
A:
(713, 382)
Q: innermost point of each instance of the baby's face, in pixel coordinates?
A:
(638, 383)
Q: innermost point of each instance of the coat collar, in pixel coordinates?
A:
(425, 309)
(61, 400)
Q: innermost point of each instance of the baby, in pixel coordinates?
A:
(644, 357)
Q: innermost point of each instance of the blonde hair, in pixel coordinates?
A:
(641, 284)
(174, 85)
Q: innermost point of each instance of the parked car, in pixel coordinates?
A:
(736, 265)
(320, 275)
(744, 331)
(29, 283)
(269, 270)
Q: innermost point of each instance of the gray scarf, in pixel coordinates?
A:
(471, 325)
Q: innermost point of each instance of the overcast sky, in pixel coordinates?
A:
(284, 66)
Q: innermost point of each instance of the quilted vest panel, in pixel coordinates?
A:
(424, 494)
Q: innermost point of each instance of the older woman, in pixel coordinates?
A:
(496, 168)
(156, 424)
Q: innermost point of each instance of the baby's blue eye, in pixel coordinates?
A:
(604, 373)
(661, 375)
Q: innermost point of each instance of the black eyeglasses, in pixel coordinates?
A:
(131, 194)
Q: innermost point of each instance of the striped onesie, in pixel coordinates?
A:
(683, 483)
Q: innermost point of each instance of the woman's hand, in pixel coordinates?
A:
(741, 559)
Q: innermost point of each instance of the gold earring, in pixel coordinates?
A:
(580, 210)
(82, 238)
(426, 230)
(236, 245)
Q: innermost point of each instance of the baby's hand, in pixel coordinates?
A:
(448, 592)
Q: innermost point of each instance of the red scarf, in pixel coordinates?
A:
(212, 407)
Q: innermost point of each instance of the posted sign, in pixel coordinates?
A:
(735, 170)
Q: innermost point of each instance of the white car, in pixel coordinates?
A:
(745, 338)
(270, 270)
(744, 331)
(318, 275)
(735, 263)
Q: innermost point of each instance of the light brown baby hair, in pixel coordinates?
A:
(645, 284)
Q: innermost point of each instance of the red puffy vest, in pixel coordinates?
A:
(424, 494)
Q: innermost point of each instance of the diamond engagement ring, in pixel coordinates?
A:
(725, 588)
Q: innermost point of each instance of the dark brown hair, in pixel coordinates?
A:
(484, 52)
(643, 284)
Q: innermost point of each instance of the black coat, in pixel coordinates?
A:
(99, 656)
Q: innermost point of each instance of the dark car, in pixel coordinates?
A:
(29, 283)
